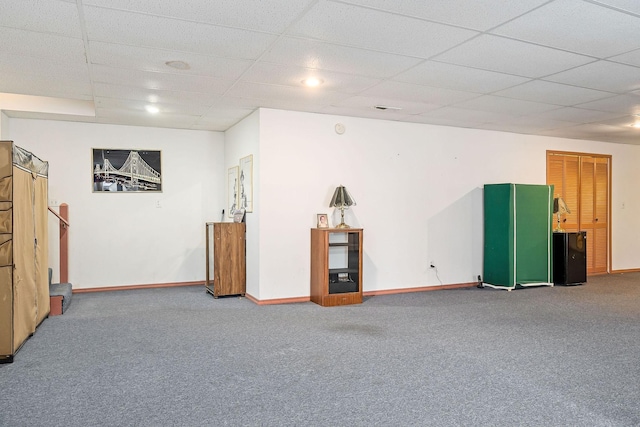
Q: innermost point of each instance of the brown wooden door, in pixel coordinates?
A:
(594, 218)
(582, 180)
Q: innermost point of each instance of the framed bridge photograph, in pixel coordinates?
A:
(116, 170)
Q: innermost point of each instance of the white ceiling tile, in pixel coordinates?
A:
(371, 29)
(553, 93)
(368, 103)
(625, 104)
(160, 81)
(626, 121)
(601, 75)
(140, 58)
(536, 122)
(441, 121)
(293, 76)
(154, 95)
(264, 15)
(614, 138)
(438, 74)
(31, 43)
(314, 96)
(503, 105)
(416, 93)
(623, 5)
(631, 58)
(142, 118)
(44, 85)
(473, 116)
(52, 69)
(48, 116)
(526, 129)
(368, 52)
(512, 57)
(157, 32)
(221, 124)
(598, 132)
(365, 113)
(477, 15)
(104, 103)
(54, 17)
(214, 115)
(577, 115)
(577, 26)
(325, 56)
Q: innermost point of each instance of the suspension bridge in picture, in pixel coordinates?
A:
(134, 174)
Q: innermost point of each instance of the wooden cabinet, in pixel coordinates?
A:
(336, 266)
(227, 242)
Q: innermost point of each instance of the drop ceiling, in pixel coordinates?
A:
(566, 68)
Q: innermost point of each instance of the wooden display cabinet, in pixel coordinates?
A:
(226, 241)
(336, 266)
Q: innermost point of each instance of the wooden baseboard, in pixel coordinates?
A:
(131, 287)
(279, 300)
(629, 270)
(366, 294)
(420, 289)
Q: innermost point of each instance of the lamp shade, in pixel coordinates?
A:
(341, 198)
(560, 207)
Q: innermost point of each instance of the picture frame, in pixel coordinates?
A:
(322, 220)
(238, 215)
(126, 170)
(232, 190)
(245, 177)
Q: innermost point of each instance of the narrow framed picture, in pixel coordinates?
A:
(133, 171)
(245, 180)
(323, 220)
(232, 190)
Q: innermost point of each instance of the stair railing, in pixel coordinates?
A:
(63, 216)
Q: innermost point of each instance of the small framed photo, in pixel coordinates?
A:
(238, 215)
(323, 220)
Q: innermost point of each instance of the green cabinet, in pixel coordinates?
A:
(518, 245)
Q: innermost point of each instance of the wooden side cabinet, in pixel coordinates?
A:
(336, 266)
(229, 259)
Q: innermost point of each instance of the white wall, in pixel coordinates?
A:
(242, 140)
(120, 239)
(418, 190)
(4, 126)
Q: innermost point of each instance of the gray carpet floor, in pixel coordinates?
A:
(561, 356)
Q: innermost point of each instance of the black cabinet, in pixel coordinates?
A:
(570, 258)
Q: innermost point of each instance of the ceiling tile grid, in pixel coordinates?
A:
(567, 68)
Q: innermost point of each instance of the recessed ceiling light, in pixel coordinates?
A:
(152, 109)
(312, 82)
(178, 65)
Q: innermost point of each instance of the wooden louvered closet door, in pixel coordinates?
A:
(594, 218)
(582, 180)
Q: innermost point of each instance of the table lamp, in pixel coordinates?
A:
(559, 208)
(342, 199)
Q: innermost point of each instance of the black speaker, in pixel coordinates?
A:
(570, 258)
